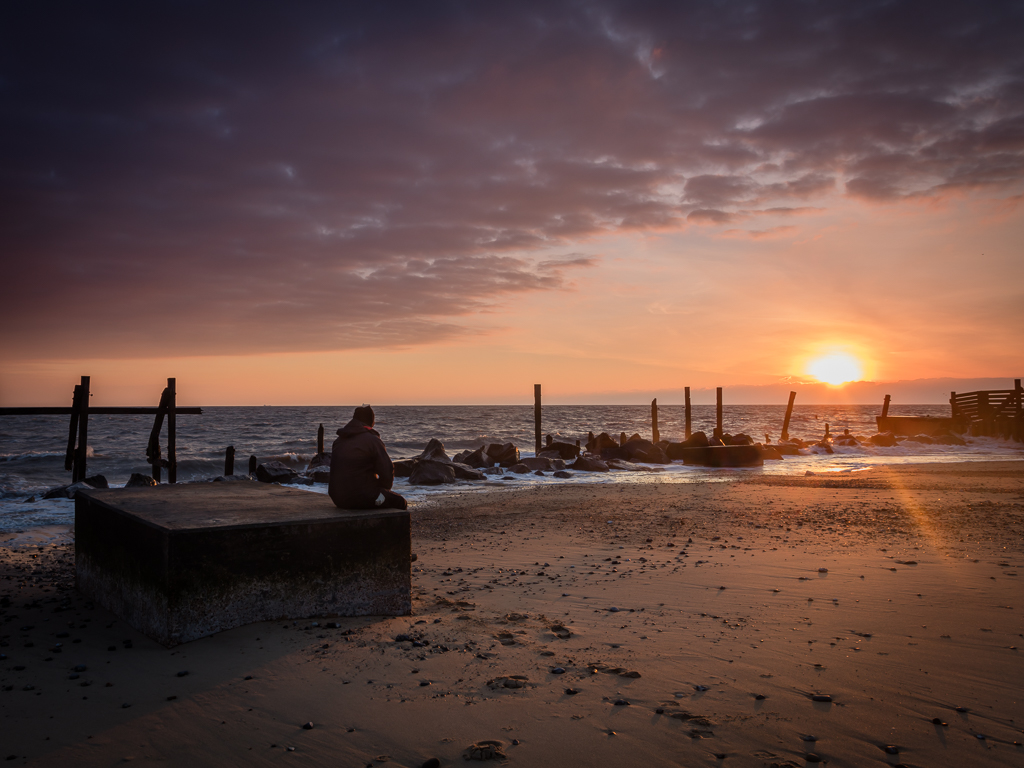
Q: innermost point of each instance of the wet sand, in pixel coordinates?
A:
(654, 624)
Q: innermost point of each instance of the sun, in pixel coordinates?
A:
(836, 368)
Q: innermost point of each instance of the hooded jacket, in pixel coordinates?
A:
(360, 467)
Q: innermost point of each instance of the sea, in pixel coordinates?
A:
(32, 447)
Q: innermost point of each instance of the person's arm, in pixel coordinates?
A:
(384, 467)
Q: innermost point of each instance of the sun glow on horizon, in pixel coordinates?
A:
(836, 368)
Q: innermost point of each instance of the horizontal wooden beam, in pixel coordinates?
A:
(98, 411)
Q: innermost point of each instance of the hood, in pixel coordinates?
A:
(355, 428)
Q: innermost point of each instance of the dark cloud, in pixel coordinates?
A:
(225, 177)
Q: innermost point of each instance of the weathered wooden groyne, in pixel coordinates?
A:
(78, 428)
(985, 413)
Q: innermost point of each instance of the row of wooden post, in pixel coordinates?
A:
(655, 433)
(75, 459)
(229, 455)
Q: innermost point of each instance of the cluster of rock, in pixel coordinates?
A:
(434, 467)
(880, 439)
(96, 482)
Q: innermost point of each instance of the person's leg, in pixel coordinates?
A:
(391, 501)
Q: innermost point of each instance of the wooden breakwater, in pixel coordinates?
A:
(78, 429)
(985, 413)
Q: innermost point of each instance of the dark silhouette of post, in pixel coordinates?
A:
(686, 400)
(320, 439)
(885, 406)
(229, 461)
(252, 465)
(172, 435)
(536, 415)
(622, 438)
(789, 415)
(718, 413)
(654, 421)
(83, 431)
(69, 457)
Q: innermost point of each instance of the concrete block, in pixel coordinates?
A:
(180, 562)
(723, 456)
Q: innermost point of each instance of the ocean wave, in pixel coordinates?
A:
(30, 455)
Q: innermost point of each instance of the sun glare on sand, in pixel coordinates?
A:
(835, 369)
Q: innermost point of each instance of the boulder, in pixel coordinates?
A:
(432, 473)
(557, 464)
(564, 450)
(519, 469)
(770, 452)
(883, 439)
(275, 472)
(477, 459)
(466, 472)
(789, 449)
(138, 480)
(950, 439)
(624, 466)
(536, 462)
(97, 481)
(644, 450)
(322, 476)
(675, 451)
(589, 464)
(493, 471)
(822, 446)
(601, 443)
(505, 454)
(925, 439)
(319, 460)
(614, 452)
(434, 451)
(403, 467)
(73, 489)
(738, 439)
(60, 492)
(562, 474)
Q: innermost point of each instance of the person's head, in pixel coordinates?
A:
(364, 413)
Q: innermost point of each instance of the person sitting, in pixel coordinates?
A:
(362, 473)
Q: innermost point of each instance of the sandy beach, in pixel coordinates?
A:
(649, 624)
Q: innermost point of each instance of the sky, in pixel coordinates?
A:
(448, 202)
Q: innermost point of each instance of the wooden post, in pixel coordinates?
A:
(83, 432)
(827, 435)
(687, 408)
(885, 406)
(252, 465)
(172, 460)
(548, 440)
(622, 438)
(789, 415)
(718, 413)
(153, 449)
(69, 457)
(1018, 429)
(229, 461)
(536, 415)
(320, 440)
(654, 421)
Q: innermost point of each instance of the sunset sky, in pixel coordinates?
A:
(320, 203)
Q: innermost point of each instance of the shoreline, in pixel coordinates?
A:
(715, 584)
